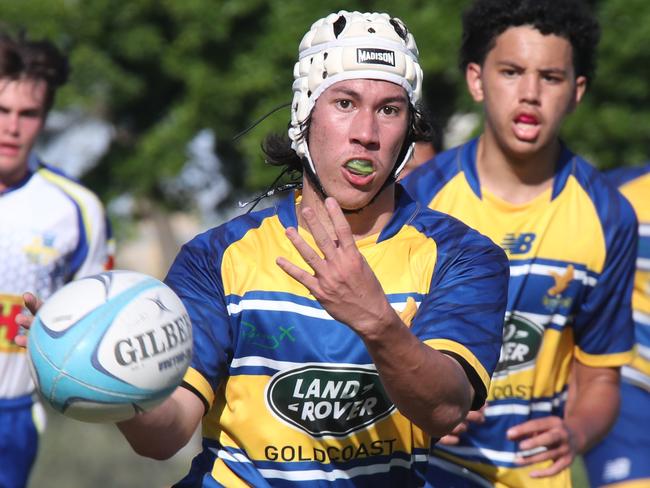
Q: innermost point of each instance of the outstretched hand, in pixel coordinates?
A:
(23, 320)
(343, 282)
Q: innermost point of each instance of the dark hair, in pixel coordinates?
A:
(21, 58)
(485, 20)
(277, 147)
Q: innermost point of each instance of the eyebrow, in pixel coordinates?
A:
(355, 94)
(512, 64)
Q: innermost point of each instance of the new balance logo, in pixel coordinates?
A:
(375, 56)
(518, 244)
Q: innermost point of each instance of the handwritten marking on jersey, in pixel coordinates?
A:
(265, 340)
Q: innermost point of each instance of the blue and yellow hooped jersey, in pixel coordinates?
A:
(634, 184)
(571, 252)
(292, 395)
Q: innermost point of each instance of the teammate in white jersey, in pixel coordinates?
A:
(52, 230)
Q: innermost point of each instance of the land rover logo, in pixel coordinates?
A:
(521, 342)
(325, 400)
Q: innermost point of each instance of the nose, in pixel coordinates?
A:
(10, 123)
(530, 88)
(364, 129)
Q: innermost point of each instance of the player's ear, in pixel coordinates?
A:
(474, 81)
(579, 91)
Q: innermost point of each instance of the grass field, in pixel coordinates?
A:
(81, 455)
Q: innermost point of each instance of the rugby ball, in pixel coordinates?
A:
(106, 347)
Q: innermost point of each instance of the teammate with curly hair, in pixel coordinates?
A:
(569, 235)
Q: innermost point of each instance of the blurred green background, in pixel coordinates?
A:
(161, 72)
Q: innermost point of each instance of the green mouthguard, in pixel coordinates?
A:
(360, 167)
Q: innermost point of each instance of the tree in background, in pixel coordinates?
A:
(162, 71)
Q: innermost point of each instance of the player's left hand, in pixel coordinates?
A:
(343, 282)
(555, 439)
(32, 303)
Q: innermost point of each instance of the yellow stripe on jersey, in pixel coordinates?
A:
(226, 477)
(637, 191)
(604, 361)
(200, 384)
(74, 190)
(465, 353)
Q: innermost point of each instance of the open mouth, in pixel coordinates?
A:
(527, 127)
(360, 167)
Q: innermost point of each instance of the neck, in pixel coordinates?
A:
(370, 220)
(513, 177)
(11, 179)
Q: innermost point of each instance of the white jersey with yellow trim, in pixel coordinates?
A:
(52, 230)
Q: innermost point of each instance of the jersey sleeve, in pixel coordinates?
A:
(196, 279)
(464, 311)
(603, 326)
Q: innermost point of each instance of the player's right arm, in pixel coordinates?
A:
(163, 431)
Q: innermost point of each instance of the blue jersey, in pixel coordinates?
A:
(571, 252)
(292, 395)
(622, 457)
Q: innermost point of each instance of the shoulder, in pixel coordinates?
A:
(456, 240)
(71, 188)
(219, 238)
(616, 214)
(425, 181)
(625, 175)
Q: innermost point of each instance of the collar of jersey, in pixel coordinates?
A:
(467, 164)
(405, 211)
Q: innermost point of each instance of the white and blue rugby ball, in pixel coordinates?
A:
(106, 347)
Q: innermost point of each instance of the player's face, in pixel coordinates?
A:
(356, 133)
(528, 85)
(22, 112)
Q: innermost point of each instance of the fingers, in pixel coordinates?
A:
(449, 440)
(340, 224)
(32, 302)
(318, 232)
(546, 439)
(559, 464)
(476, 416)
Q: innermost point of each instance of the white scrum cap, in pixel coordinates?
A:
(351, 45)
